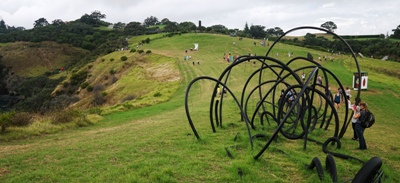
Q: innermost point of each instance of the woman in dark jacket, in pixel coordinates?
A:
(359, 128)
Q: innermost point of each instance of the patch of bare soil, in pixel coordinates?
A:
(164, 73)
(3, 171)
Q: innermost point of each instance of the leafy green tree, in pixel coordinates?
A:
(396, 33)
(134, 28)
(171, 27)
(220, 29)
(57, 22)
(149, 21)
(164, 21)
(41, 22)
(257, 31)
(119, 26)
(277, 31)
(186, 26)
(246, 29)
(329, 25)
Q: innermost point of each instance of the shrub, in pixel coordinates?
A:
(112, 71)
(98, 88)
(78, 77)
(158, 94)
(111, 59)
(102, 60)
(95, 110)
(147, 40)
(148, 51)
(128, 98)
(84, 85)
(124, 58)
(21, 119)
(89, 88)
(104, 94)
(98, 99)
(5, 120)
(90, 66)
(64, 116)
(65, 84)
(133, 50)
(114, 79)
(140, 51)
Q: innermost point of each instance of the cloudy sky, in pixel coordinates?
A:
(352, 17)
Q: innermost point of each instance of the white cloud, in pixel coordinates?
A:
(351, 17)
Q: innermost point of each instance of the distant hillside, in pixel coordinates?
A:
(33, 59)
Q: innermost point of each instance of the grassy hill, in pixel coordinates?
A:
(32, 59)
(155, 143)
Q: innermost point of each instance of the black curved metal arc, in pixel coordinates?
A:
(239, 61)
(345, 123)
(329, 32)
(251, 77)
(343, 156)
(286, 116)
(232, 94)
(216, 113)
(262, 100)
(265, 96)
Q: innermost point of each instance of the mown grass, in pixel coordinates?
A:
(156, 144)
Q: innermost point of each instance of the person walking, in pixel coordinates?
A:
(358, 126)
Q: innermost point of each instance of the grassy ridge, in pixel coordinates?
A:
(155, 144)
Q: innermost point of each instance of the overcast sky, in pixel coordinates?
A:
(352, 17)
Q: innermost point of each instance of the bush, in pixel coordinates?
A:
(21, 119)
(89, 88)
(78, 77)
(128, 98)
(65, 84)
(84, 85)
(124, 58)
(148, 51)
(112, 71)
(64, 116)
(104, 94)
(5, 120)
(158, 94)
(133, 50)
(147, 40)
(140, 51)
(111, 59)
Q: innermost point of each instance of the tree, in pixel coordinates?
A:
(41, 22)
(93, 19)
(149, 21)
(257, 31)
(277, 31)
(186, 26)
(396, 33)
(329, 25)
(220, 29)
(171, 27)
(96, 15)
(57, 22)
(134, 28)
(246, 28)
(119, 26)
(164, 21)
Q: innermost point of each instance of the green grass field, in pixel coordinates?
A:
(156, 143)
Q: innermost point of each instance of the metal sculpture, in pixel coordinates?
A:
(295, 119)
